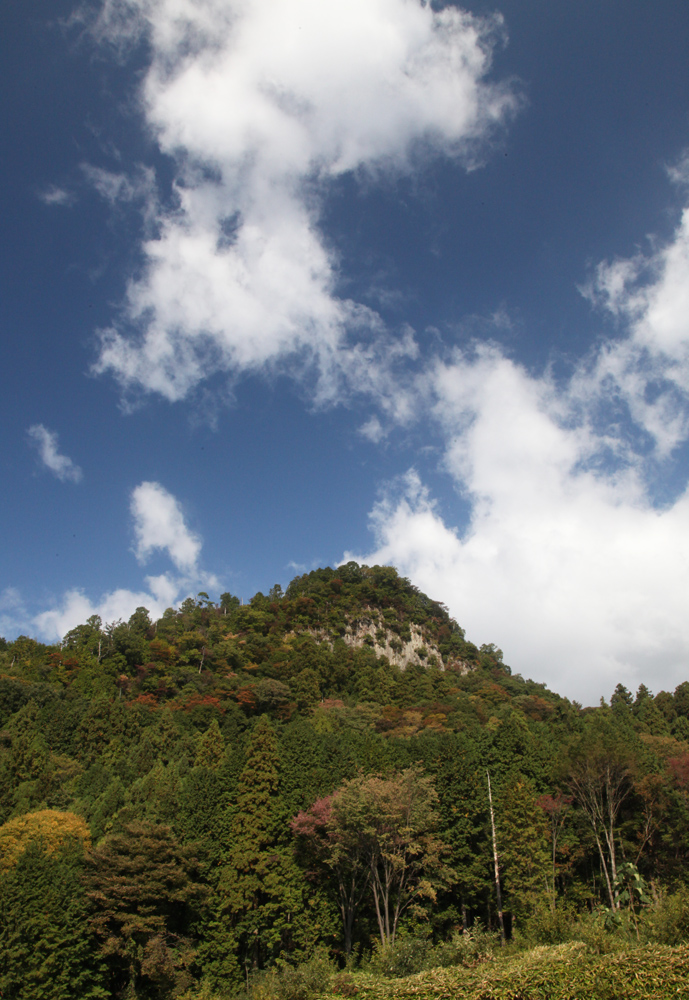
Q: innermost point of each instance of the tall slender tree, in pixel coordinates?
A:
(261, 893)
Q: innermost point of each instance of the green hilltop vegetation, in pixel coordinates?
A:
(289, 799)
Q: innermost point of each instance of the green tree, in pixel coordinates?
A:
(262, 903)
(523, 839)
(88, 639)
(335, 858)
(144, 889)
(211, 747)
(47, 951)
(461, 786)
(599, 778)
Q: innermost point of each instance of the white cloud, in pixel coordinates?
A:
(60, 465)
(162, 592)
(565, 562)
(75, 607)
(14, 618)
(373, 430)
(159, 524)
(648, 367)
(121, 187)
(576, 576)
(679, 172)
(261, 104)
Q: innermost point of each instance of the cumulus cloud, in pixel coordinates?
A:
(160, 592)
(566, 560)
(261, 105)
(75, 607)
(575, 575)
(159, 524)
(60, 465)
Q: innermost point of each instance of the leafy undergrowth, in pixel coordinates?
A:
(562, 972)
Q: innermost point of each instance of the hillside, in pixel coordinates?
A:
(355, 635)
(195, 789)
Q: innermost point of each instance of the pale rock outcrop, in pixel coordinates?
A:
(417, 651)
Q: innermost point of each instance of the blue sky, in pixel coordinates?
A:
(288, 281)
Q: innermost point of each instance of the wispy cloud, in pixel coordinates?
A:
(262, 105)
(54, 195)
(121, 187)
(47, 444)
(14, 617)
(648, 368)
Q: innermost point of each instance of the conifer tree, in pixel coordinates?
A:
(260, 890)
(523, 847)
(211, 747)
(46, 948)
(142, 886)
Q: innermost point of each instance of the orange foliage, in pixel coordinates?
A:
(537, 708)
(144, 701)
(405, 722)
(246, 697)
(162, 651)
(199, 701)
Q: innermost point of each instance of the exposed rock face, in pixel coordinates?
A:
(373, 631)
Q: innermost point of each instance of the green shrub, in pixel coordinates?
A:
(344, 985)
(667, 920)
(405, 957)
(599, 937)
(306, 981)
(467, 949)
(546, 924)
(561, 972)
(410, 954)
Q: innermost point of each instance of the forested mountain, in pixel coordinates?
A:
(189, 801)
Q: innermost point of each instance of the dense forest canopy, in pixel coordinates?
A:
(187, 802)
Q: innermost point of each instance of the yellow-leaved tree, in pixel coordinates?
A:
(49, 826)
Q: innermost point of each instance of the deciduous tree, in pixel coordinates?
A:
(326, 851)
(392, 821)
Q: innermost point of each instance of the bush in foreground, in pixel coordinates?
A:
(561, 972)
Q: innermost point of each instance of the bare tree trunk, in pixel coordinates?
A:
(379, 915)
(612, 810)
(498, 892)
(611, 894)
(600, 785)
